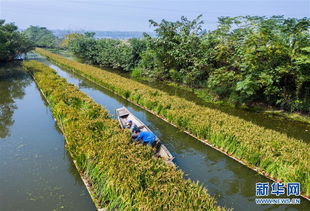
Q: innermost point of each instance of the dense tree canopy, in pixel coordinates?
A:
(112, 53)
(245, 60)
(12, 42)
(177, 52)
(255, 59)
(41, 37)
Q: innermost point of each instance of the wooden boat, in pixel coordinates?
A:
(124, 115)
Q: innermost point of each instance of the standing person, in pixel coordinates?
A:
(146, 137)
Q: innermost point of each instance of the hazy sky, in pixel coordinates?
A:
(133, 15)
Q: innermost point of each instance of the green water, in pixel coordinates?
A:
(232, 184)
(36, 172)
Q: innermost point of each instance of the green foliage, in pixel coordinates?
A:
(246, 59)
(41, 37)
(136, 72)
(84, 47)
(266, 58)
(137, 47)
(177, 52)
(124, 175)
(151, 65)
(12, 42)
(223, 82)
(243, 139)
(118, 54)
(113, 53)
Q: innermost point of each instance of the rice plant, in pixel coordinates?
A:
(252, 144)
(123, 175)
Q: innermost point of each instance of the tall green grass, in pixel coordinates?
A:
(124, 175)
(272, 153)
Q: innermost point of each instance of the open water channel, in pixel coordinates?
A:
(36, 171)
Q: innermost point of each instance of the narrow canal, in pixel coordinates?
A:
(230, 182)
(36, 172)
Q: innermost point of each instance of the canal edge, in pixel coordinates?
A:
(86, 182)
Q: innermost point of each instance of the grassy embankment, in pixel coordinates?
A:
(269, 152)
(123, 175)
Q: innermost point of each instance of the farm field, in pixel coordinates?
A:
(227, 180)
(247, 142)
(101, 144)
(154, 105)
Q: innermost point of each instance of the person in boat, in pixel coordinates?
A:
(146, 137)
(134, 129)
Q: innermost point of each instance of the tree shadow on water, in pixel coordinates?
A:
(13, 81)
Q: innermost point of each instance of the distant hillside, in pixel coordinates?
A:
(105, 34)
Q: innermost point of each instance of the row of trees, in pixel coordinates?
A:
(245, 60)
(118, 54)
(14, 43)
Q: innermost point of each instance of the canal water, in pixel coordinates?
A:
(36, 172)
(231, 183)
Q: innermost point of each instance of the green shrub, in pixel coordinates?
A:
(136, 72)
